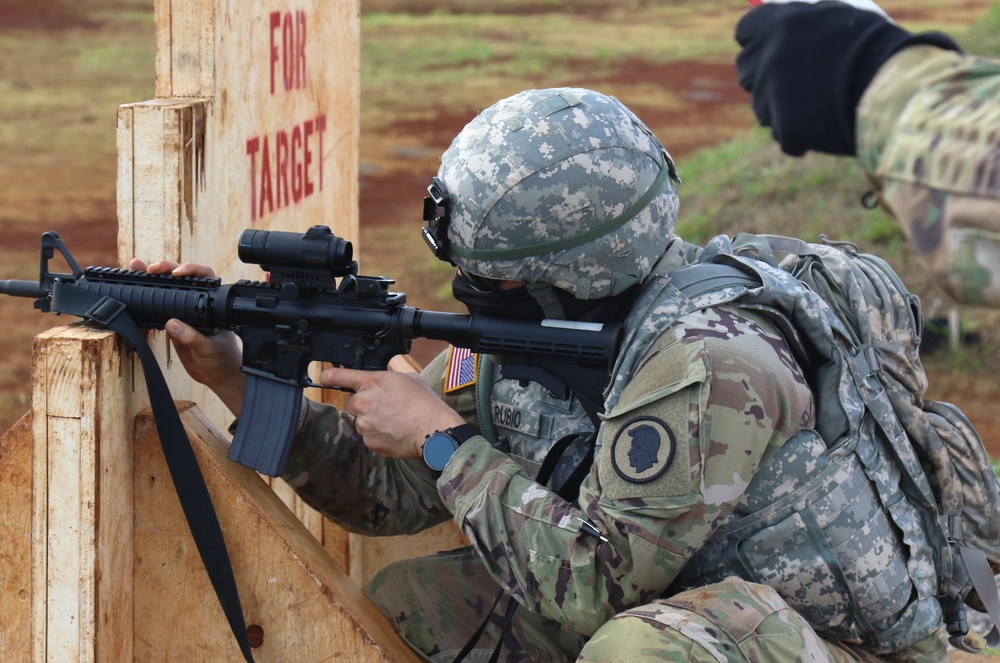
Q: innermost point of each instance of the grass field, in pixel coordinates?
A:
(427, 67)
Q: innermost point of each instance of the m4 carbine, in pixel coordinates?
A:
(302, 314)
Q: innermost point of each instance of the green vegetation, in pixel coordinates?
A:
(983, 36)
(458, 55)
(747, 185)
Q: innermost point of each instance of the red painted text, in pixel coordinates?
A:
(285, 166)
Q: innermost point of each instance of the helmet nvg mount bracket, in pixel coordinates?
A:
(436, 206)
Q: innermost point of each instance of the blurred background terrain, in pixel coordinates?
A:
(427, 67)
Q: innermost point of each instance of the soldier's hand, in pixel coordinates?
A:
(394, 412)
(807, 66)
(214, 361)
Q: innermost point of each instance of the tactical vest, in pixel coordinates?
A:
(844, 521)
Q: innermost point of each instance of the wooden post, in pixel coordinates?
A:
(15, 542)
(81, 547)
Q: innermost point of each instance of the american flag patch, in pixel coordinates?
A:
(461, 370)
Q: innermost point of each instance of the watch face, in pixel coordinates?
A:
(438, 450)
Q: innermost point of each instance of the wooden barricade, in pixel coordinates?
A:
(98, 561)
(254, 125)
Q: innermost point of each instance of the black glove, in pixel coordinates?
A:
(807, 66)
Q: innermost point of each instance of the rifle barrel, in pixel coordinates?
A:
(19, 288)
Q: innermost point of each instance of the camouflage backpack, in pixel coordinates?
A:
(880, 522)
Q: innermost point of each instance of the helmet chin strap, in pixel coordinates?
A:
(546, 297)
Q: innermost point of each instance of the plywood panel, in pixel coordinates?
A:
(254, 125)
(305, 606)
(15, 547)
(276, 145)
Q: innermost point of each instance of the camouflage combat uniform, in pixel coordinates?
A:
(929, 137)
(717, 391)
(567, 190)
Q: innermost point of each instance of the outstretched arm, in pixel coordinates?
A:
(922, 118)
(807, 65)
(929, 140)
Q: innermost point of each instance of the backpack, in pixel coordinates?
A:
(881, 521)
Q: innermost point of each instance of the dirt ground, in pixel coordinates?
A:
(711, 109)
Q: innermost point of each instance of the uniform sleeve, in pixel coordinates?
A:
(330, 468)
(929, 139)
(717, 394)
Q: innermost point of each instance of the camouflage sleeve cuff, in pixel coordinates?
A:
(332, 471)
(468, 474)
(913, 74)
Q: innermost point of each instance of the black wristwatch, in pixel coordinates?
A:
(441, 445)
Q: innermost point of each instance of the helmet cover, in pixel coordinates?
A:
(565, 187)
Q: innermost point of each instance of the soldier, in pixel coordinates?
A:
(561, 203)
(922, 118)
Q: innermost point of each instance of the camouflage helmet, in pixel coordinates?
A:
(564, 187)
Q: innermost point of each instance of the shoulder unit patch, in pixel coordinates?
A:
(643, 450)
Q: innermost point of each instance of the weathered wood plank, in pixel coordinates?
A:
(164, 47)
(124, 185)
(290, 588)
(184, 64)
(38, 561)
(108, 413)
(15, 546)
(81, 488)
(69, 584)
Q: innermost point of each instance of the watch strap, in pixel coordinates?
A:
(463, 433)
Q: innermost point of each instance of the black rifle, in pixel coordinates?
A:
(301, 314)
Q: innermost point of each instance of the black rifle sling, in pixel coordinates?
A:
(181, 461)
